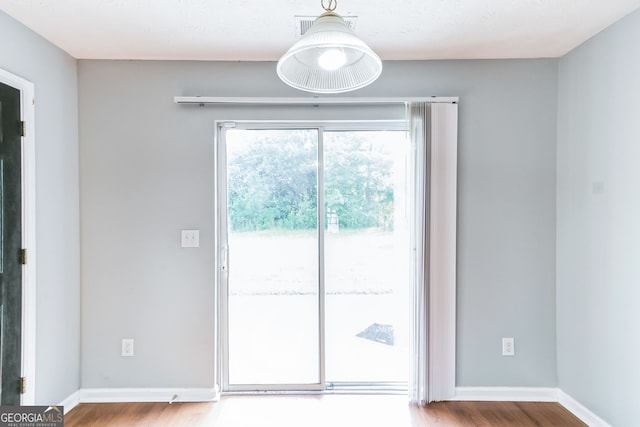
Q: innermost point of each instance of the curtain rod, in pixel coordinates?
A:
(205, 100)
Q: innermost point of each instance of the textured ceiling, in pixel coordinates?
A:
(264, 30)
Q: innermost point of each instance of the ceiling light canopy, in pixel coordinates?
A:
(329, 58)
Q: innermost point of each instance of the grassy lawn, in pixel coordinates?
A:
(285, 262)
(273, 306)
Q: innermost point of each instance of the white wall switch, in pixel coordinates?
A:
(127, 347)
(508, 347)
(190, 238)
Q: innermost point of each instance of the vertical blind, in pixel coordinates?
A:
(433, 130)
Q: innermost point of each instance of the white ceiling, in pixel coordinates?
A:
(264, 29)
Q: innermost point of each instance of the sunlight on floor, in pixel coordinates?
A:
(320, 411)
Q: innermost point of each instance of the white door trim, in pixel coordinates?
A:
(27, 105)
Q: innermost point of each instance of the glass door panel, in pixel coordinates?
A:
(306, 309)
(273, 284)
(366, 256)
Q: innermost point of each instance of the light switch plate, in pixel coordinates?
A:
(190, 238)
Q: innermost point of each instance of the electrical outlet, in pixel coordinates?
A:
(127, 347)
(508, 347)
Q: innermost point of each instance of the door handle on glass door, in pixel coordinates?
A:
(224, 262)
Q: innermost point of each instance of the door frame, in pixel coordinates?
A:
(27, 114)
(221, 353)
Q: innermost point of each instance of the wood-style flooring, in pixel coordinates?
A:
(317, 411)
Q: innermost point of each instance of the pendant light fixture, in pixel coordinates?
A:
(329, 58)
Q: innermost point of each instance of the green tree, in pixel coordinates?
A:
(358, 185)
(272, 180)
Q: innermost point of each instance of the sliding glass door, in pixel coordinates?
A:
(366, 258)
(314, 247)
(273, 337)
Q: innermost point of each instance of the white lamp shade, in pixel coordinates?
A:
(329, 58)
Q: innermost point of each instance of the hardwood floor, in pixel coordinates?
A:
(317, 411)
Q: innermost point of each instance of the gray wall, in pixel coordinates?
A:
(54, 74)
(598, 249)
(146, 169)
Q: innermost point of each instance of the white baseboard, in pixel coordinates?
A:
(580, 411)
(106, 395)
(122, 395)
(530, 394)
(70, 402)
(507, 394)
